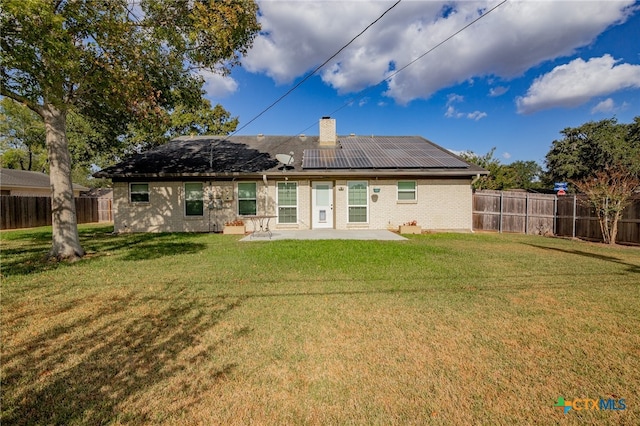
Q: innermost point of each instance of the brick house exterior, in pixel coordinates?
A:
(197, 184)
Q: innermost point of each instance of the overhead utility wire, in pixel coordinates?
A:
(315, 70)
(350, 101)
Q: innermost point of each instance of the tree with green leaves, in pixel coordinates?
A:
(22, 141)
(182, 120)
(602, 160)
(21, 137)
(487, 162)
(592, 147)
(113, 62)
(609, 192)
(91, 143)
(525, 174)
(517, 175)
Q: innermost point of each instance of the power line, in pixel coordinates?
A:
(350, 101)
(315, 70)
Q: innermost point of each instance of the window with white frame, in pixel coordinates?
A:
(194, 199)
(287, 202)
(407, 191)
(247, 200)
(139, 192)
(358, 201)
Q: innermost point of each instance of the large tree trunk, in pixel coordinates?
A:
(66, 242)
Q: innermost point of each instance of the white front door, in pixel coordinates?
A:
(322, 201)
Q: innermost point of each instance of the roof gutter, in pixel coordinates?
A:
(306, 174)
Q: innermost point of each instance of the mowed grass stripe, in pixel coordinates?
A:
(440, 329)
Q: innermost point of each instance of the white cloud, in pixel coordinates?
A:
(453, 98)
(299, 35)
(578, 81)
(452, 112)
(605, 106)
(608, 106)
(506, 155)
(498, 91)
(476, 115)
(218, 86)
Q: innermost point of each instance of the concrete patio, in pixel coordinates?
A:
(328, 234)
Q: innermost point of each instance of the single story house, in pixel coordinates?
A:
(201, 183)
(29, 184)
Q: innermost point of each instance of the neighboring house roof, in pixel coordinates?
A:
(99, 193)
(12, 178)
(255, 155)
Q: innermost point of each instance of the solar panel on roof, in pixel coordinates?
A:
(360, 163)
(382, 163)
(453, 162)
(380, 152)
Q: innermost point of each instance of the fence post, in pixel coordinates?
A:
(573, 231)
(500, 223)
(555, 215)
(526, 214)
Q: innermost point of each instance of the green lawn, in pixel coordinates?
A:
(202, 329)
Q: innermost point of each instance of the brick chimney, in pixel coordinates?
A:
(328, 135)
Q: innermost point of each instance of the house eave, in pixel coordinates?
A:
(315, 173)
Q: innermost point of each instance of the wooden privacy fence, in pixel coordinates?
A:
(575, 218)
(548, 214)
(519, 212)
(27, 212)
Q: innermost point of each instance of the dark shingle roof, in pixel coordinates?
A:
(201, 155)
(220, 155)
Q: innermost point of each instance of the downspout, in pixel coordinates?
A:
(265, 193)
(474, 180)
(210, 203)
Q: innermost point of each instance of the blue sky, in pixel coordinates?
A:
(513, 80)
